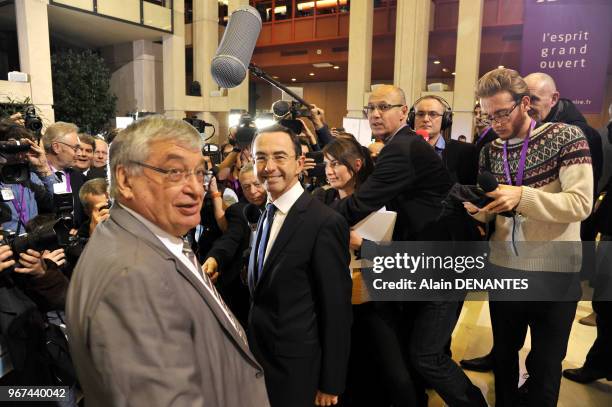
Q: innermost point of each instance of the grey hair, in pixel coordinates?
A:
(248, 167)
(56, 133)
(133, 143)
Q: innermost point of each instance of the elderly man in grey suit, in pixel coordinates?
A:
(146, 327)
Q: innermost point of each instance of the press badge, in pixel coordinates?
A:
(7, 194)
(59, 188)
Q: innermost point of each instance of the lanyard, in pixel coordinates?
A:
(68, 186)
(483, 134)
(21, 207)
(522, 161)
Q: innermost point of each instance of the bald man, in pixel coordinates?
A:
(410, 179)
(547, 106)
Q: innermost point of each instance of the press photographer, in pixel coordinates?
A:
(26, 182)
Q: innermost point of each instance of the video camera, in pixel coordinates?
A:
(48, 235)
(14, 167)
(245, 131)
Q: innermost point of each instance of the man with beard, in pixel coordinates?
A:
(545, 182)
(410, 179)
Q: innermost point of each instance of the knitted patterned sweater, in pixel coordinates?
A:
(557, 194)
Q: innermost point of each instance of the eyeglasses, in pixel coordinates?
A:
(432, 115)
(383, 107)
(502, 116)
(174, 174)
(279, 159)
(75, 148)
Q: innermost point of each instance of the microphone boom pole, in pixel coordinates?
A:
(258, 72)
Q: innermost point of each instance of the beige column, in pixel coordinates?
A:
(238, 96)
(205, 41)
(35, 53)
(145, 85)
(466, 66)
(411, 41)
(360, 57)
(174, 65)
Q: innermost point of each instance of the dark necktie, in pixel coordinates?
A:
(209, 284)
(60, 175)
(262, 241)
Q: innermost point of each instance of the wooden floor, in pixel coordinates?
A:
(472, 338)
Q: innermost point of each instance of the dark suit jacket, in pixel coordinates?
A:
(461, 161)
(144, 331)
(408, 178)
(301, 315)
(228, 251)
(77, 179)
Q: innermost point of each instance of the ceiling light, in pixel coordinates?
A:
(322, 65)
(444, 69)
(274, 77)
(436, 62)
(453, 73)
(293, 79)
(336, 67)
(311, 74)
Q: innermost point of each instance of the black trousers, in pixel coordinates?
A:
(550, 324)
(599, 357)
(379, 371)
(432, 324)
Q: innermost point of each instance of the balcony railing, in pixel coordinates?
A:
(156, 14)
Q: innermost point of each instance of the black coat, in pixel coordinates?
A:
(409, 178)
(461, 161)
(229, 252)
(301, 314)
(566, 112)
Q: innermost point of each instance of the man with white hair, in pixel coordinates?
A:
(146, 326)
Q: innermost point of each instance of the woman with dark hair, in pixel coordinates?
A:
(378, 369)
(346, 168)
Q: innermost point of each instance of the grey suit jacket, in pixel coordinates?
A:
(144, 331)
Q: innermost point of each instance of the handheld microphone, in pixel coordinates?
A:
(252, 213)
(423, 133)
(230, 64)
(488, 183)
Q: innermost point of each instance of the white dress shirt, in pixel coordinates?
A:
(283, 204)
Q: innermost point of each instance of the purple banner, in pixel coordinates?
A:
(570, 41)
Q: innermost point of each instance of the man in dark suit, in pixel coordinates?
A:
(146, 326)
(300, 320)
(226, 259)
(410, 178)
(432, 114)
(61, 143)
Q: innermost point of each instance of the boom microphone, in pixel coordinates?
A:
(230, 64)
(252, 213)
